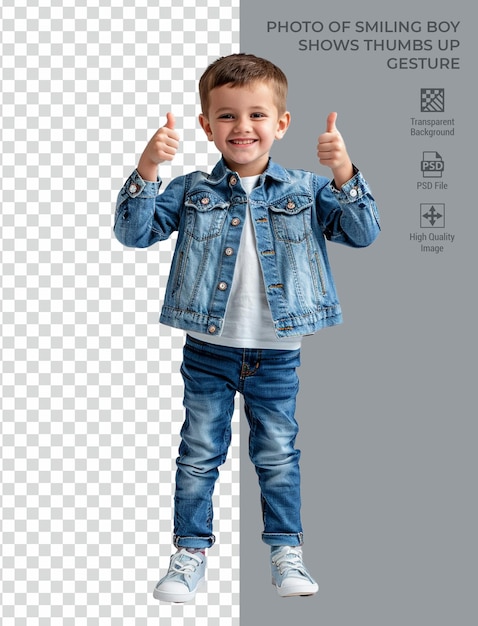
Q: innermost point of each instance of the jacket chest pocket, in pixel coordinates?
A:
(291, 218)
(206, 214)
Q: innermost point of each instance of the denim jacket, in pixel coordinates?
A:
(293, 213)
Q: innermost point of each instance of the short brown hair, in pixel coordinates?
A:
(239, 70)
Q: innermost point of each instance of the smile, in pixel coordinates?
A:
(242, 142)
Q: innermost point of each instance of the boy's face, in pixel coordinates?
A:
(243, 122)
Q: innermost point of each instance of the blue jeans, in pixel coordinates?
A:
(268, 382)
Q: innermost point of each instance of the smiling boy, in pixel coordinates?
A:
(249, 278)
(244, 123)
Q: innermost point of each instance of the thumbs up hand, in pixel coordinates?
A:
(162, 146)
(164, 143)
(332, 152)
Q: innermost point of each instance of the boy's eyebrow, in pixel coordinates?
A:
(232, 108)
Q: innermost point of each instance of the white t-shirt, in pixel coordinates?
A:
(248, 320)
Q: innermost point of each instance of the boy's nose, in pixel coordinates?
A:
(243, 124)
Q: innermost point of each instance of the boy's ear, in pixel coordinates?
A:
(282, 125)
(205, 125)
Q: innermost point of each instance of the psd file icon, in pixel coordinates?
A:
(432, 165)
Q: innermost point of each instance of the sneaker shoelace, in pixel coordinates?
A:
(291, 560)
(185, 564)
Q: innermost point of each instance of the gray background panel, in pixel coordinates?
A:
(387, 403)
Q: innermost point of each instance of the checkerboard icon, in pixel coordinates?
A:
(432, 100)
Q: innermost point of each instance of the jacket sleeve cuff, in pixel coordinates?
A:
(353, 189)
(135, 187)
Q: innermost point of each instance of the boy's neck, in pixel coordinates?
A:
(252, 169)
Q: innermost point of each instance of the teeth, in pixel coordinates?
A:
(244, 142)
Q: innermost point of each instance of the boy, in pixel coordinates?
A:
(249, 277)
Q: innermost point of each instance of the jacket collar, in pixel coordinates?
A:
(273, 170)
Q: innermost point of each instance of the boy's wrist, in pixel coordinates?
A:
(343, 174)
(147, 169)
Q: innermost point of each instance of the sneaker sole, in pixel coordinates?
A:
(305, 591)
(166, 596)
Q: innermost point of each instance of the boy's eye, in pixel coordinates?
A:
(231, 116)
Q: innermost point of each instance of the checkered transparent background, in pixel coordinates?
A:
(91, 392)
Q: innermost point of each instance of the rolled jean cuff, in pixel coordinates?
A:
(283, 539)
(194, 542)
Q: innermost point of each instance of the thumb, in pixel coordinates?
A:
(170, 121)
(331, 119)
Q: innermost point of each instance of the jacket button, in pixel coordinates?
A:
(205, 201)
(228, 251)
(212, 329)
(235, 221)
(133, 188)
(353, 192)
(291, 205)
(222, 286)
(233, 180)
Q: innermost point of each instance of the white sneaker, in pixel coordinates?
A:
(289, 575)
(185, 574)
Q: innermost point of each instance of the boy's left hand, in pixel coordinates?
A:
(332, 152)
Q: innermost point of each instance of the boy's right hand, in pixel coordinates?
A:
(162, 146)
